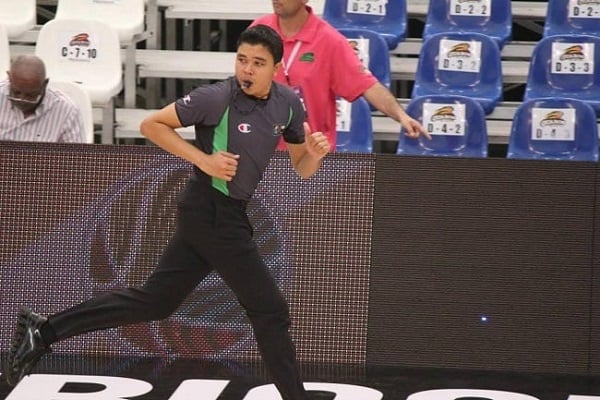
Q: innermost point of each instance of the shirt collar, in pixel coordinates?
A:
(308, 32)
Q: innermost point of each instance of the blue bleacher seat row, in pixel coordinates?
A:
(456, 124)
(565, 66)
(464, 64)
(570, 17)
(493, 19)
(388, 18)
(554, 129)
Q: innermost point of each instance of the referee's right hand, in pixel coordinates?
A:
(221, 165)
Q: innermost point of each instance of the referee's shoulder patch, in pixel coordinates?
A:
(278, 129)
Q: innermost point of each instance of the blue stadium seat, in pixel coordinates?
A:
(354, 129)
(567, 17)
(565, 66)
(554, 129)
(457, 126)
(450, 63)
(379, 54)
(493, 20)
(389, 20)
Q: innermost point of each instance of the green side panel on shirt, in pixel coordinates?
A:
(220, 144)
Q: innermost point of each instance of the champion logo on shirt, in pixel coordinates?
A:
(244, 128)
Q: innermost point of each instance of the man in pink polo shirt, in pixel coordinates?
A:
(319, 65)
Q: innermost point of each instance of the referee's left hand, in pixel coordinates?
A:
(317, 143)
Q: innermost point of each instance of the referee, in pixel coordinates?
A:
(238, 123)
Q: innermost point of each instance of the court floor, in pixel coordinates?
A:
(94, 378)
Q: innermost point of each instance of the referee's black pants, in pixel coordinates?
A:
(213, 232)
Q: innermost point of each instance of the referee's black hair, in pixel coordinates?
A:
(263, 35)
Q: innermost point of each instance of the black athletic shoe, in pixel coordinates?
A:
(26, 347)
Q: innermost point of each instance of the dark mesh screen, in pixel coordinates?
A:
(80, 220)
(482, 263)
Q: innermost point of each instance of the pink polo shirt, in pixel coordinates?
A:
(324, 66)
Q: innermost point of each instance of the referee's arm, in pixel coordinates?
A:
(306, 157)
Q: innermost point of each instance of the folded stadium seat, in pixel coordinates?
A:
(457, 126)
(4, 52)
(570, 17)
(17, 16)
(464, 64)
(372, 50)
(88, 53)
(354, 126)
(554, 129)
(493, 18)
(388, 18)
(126, 17)
(565, 66)
(81, 98)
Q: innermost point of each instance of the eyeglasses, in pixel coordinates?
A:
(25, 100)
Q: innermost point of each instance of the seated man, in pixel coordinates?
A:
(29, 111)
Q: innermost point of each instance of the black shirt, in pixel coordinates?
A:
(226, 119)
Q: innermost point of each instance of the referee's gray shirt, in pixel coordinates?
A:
(226, 119)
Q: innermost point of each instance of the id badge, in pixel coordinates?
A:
(300, 94)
